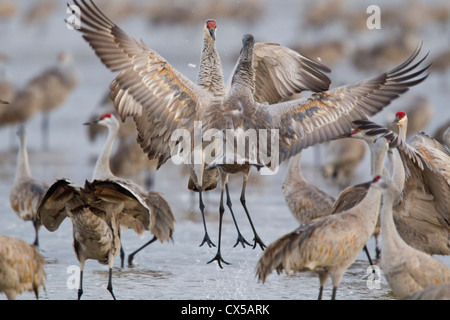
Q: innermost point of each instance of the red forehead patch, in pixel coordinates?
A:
(106, 115)
(211, 24)
(400, 114)
(376, 179)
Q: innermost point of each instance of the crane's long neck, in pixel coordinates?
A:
(391, 240)
(402, 130)
(210, 74)
(243, 79)
(398, 175)
(378, 157)
(23, 167)
(294, 169)
(102, 169)
(370, 208)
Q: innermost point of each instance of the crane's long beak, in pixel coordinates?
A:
(91, 122)
(4, 102)
(212, 32)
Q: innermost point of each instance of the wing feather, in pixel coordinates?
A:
(147, 87)
(326, 115)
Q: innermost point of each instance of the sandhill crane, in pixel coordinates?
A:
(162, 100)
(55, 83)
(25, 104)
(26, 192)
(162, 223)
(305, 201)
(271, 84)
(327, 246)
(422, 188)
(21, 267)
(96, 211)
(406, 269)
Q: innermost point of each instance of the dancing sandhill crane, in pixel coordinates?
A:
(328, 245)
(272, 82)
(55, 83)
(26, 192)
(21, 267)
(162, 223)
(305, 201)
(161, 99)
(421, 176)
(96, 212)
(406, 269)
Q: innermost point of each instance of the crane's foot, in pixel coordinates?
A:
(257, 241)
(207, 240)
(219, 260)
(241, 240)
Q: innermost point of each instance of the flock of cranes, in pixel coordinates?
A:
(407, 201)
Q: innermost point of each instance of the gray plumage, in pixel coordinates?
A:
(327, 245)
(161, 220)
(305, 201)
(22, 267)
(96, 213)
(26, 192)
(421, 207)
(406, 269)
(161, 99)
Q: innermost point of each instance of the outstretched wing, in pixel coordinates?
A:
(326, 115)
(52, 209)
(148, 88)
(136, 213)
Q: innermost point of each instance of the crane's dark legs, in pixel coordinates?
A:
(122, 255)
(218, 256)
(240, 238)
(131, 255)
(80, 288)
(320, 293)
(333, 295)
(206, 238)
(36, 228)
(257, 239)
(110, 287)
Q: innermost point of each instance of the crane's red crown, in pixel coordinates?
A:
(211, 24)
(106, 115)
(400, 114)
